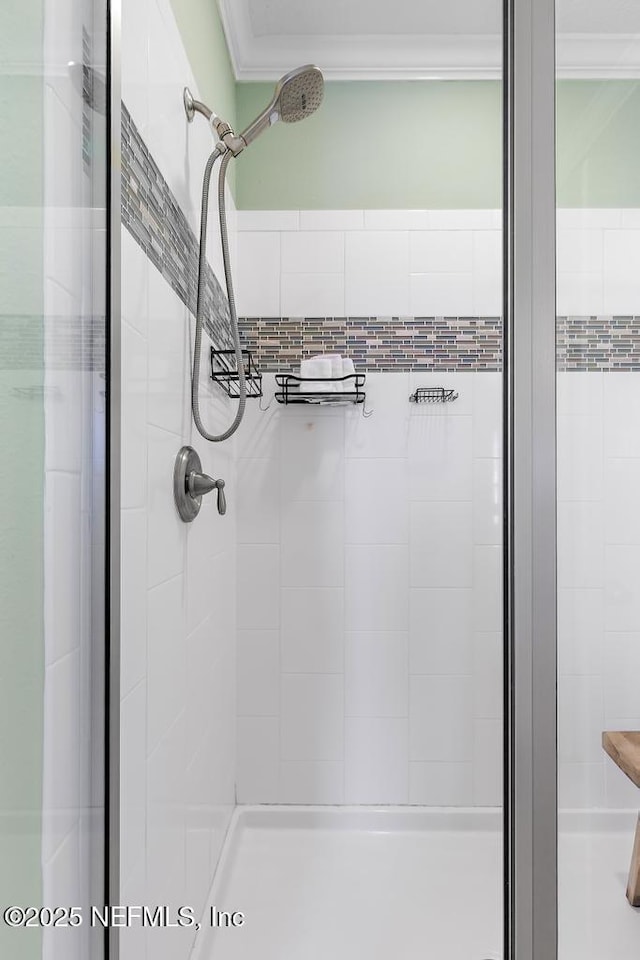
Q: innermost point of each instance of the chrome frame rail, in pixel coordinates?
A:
(531, 920)
(114, 386)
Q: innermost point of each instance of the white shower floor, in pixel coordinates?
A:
(412, 884)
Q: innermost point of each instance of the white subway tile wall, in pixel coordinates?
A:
(425, 263)
(599, 563)
(416, 596)
(178, 581)
(178, 631)
(402, 263)
(380, 673)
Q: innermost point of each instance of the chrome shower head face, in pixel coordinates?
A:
(299, 94)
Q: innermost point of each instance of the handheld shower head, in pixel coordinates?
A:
(297, 95)
(300, 93)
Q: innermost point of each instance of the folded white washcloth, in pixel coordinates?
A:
(348, 369)
(318, 371)
(324, 373)
(311, 367)
(336, 368)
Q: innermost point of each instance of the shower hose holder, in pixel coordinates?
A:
(225, 373)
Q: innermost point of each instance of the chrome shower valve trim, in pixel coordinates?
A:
(190, 485)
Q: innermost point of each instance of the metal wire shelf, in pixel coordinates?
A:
(433, 395)
(346, 390)
(224, 373)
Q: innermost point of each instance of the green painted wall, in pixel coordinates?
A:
(598, 143)
(21, 491)
(376, 145)
(434, 145)
(203, 37)
(413, 144)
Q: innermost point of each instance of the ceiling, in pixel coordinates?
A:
(335, 17)
(406, 39)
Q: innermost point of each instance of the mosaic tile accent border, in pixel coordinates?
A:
(603, 344)
(598, 344)
(72, 343)
(21, 342)
(153, 217)
(155, 220)
(377, 343)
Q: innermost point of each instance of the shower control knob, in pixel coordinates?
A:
(190, 485)
(200, 483)
(222, 500)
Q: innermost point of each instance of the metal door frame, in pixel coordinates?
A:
(114, 454)
(531, 902)
(531, 796)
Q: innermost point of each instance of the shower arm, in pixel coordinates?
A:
(221, 128)
(193, 106)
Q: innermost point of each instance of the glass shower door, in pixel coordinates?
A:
(598, 380)
(370, 555)
(52, 471)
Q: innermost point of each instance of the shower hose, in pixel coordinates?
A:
(202, 268)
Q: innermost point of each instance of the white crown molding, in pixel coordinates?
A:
(237, 30)
(460, 57)
(584, 56)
